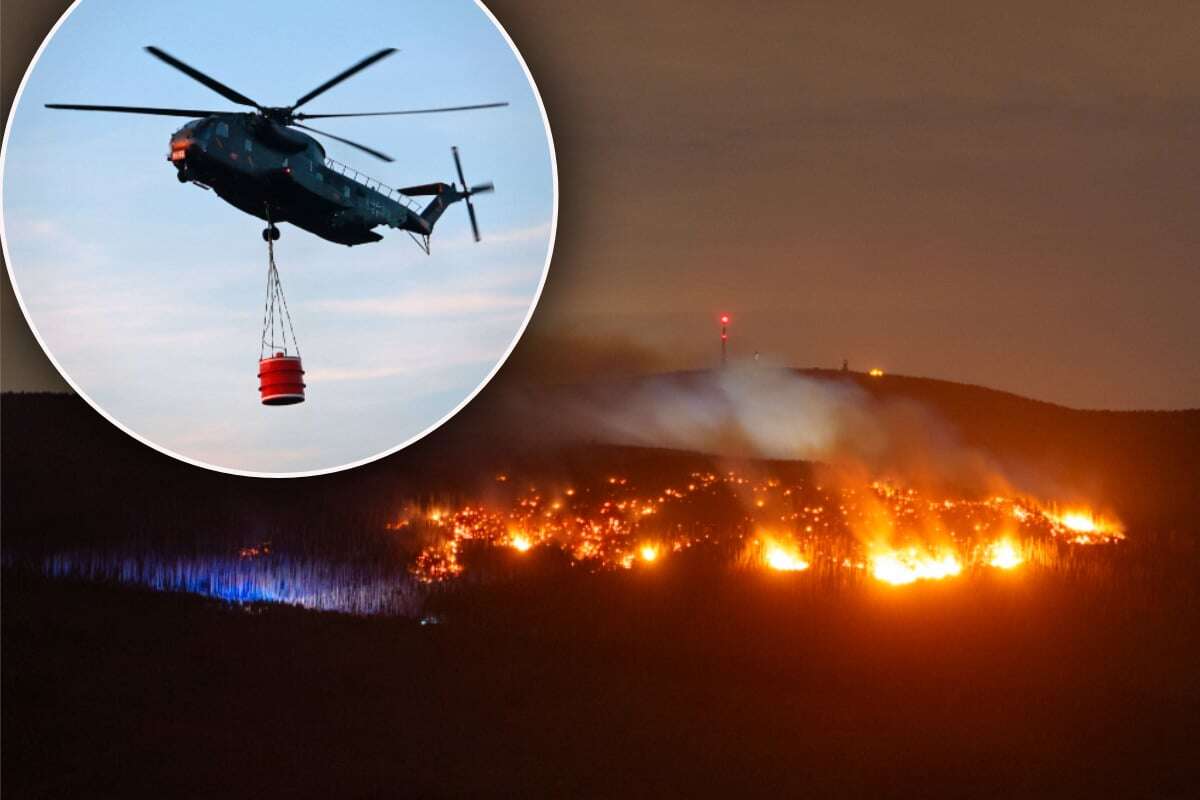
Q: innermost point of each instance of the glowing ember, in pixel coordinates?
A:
(783, 559)
(520, 542)
(648, 552)
(1004, 555)
(876, 373)
(256, 551)
(906, 566)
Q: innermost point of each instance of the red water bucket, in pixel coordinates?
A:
(280, 380)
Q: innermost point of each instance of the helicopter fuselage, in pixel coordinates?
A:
(279, 174)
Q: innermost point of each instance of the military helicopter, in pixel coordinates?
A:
(257, 162)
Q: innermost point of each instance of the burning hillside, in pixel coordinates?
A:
(903, 496)
(747, 517)
(894, 535)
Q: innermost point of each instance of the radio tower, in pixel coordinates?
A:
(724, 337)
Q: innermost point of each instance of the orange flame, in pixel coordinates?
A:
(1004, 555)
(782, 558)
(1083, 526)
(900, 567)
(896, 534)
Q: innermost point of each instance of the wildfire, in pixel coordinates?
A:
(439, 563)
(899, 567)
(783, 559)
(881, 530)
(1004, 555)
(1084, 526)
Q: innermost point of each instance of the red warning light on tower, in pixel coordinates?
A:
(724, 337)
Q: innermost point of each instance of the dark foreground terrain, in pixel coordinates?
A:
(616, 686)
(689, 679)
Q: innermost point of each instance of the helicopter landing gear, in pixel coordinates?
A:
(270, 234)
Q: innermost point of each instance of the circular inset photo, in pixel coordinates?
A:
(278, 238)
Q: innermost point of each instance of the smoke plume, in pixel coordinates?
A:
(769, 413)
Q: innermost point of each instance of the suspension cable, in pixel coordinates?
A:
(275, 309)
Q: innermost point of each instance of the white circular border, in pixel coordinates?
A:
(309, 473)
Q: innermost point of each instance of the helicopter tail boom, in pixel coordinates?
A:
(438, 205)
(445, 195)
(425, 189)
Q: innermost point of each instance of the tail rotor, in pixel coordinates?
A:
(482, 188)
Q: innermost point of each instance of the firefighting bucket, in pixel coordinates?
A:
(281, 380)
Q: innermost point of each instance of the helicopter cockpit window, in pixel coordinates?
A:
(223, 129)
(249, 146)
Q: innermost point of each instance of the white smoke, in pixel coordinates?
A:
(762, 412)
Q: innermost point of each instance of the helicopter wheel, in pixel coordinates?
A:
(270, 234)
(181, 176)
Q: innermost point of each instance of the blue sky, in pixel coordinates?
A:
(149, 293)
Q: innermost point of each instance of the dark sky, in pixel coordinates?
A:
(1000, 195)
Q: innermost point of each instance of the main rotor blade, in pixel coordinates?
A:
(162, 112)
(411, 111)
(458, 166)
(363, 147)
(471, 214)
(197, 75)
(341, 76)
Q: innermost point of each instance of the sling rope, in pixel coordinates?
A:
(277, 322)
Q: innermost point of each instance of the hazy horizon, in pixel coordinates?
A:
(999, 196)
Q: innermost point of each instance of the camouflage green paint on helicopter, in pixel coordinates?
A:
(257, 163)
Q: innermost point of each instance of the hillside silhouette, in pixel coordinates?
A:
(68, 470)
